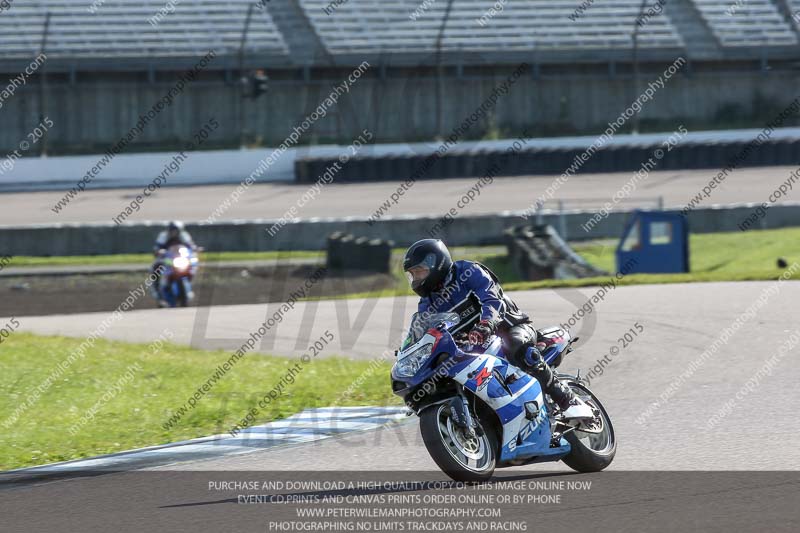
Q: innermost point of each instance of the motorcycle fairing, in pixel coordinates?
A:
(481, 373)
(556, 341)
(486, 375)
(171, 279)
(172, 289)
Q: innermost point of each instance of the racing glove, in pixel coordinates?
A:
(481, 331)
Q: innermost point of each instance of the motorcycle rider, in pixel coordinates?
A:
(174, 234)
(472, 290)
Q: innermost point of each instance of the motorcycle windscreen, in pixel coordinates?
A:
(469, 312)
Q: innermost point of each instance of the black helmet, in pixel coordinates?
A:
(175, 228)
(433, 260)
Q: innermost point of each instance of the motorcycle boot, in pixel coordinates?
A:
(573, 408)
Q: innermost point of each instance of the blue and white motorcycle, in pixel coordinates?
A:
(178, 266)
(478, 412)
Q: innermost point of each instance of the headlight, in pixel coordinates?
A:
(409, 365)
(180, 263)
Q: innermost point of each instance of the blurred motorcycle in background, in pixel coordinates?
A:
(178, 266)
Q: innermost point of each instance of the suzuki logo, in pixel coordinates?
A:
(527, 430)
(482, 379)
(530, 426)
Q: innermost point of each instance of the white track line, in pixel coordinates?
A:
(307, 426)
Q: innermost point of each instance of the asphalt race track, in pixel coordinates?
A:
(679, 322)
(270, 200)
(653, 482)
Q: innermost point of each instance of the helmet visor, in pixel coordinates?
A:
(418, 273)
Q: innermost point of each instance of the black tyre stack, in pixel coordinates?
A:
(349, 253)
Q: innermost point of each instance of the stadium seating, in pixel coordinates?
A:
(794, 7)
(121, 28)
(751, 23)
(308, 32)
(364, 26)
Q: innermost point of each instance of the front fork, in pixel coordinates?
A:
(165, 291)
(187, 287)
(559, 428)
(461, 415)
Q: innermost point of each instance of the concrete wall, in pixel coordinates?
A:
(94, 239)
(92, 115)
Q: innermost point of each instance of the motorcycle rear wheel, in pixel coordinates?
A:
(461, 458)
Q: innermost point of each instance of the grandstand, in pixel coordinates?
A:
(121, 31)
(365, 26)
(292, 33)
(106, 58)
(754, 23)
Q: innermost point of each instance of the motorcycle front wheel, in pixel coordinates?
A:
(593, 449)
(181, 298)
(462, 458)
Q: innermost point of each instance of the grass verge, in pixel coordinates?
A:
(133, 417)
(723, 255)
(739, 256)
